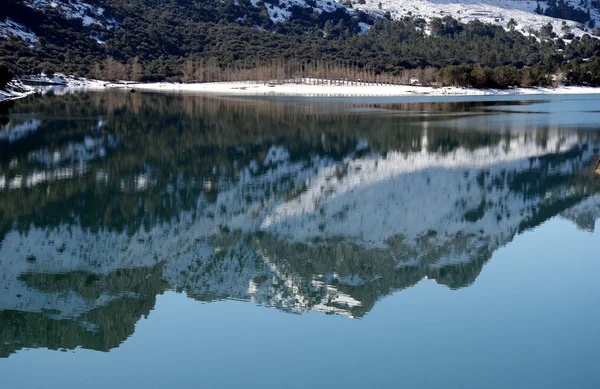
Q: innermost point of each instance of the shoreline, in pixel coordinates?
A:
(306, 90)
(16, 90)
(29, 85)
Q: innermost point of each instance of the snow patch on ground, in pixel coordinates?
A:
(15, 90)
(88, 13)
(303, 89)
(497, 12)
(9, 27)
(281, 12)
(68, 84)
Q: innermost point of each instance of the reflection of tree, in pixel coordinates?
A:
(182, 142)
(178, 142)
(366, 274)
(176, 170)
(104, 327)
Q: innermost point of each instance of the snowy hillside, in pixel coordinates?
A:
(280, 11)
(88, 14)
(8, 27)
(498, 12)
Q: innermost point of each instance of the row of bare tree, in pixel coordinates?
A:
(280, 71)
(317, 72)
(113, 70)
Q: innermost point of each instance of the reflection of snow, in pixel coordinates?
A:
(585, 214)
(378, 192)
(75, 153)
(61, 164)
(443, 208)
(276, 155)
(14, 131)
(362, 145)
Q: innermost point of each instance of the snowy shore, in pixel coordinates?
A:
(333, 90)
(308, 88)
(15, 90)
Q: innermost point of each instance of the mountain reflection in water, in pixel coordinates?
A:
(109, 199)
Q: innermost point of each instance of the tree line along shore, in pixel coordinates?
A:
(443, 52)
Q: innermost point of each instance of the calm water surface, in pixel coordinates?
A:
(170, 241)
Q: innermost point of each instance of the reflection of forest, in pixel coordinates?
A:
(188, 141)
(133, 295)
(173, 192)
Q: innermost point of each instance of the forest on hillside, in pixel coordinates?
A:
(189, 41)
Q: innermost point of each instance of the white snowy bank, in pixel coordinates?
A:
(250, 88)
(292, 89)
(15, 90)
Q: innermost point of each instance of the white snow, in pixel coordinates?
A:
(497, 12)
(8, 27)
(89, 14)
(379, 193)
(278, 14)
(364, 27)
(281, 12)
(42, 78)
(293, 89)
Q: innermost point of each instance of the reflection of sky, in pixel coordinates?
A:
(566, 104)
(424, 99)
(525, 121)
(570, 112)
(530, 321)
(530, 113)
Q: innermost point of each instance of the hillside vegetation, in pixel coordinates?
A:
(186, 40)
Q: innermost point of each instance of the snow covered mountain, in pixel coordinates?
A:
(577, 16)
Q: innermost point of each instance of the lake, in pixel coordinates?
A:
(180, 241)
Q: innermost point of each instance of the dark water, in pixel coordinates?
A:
(423, 244)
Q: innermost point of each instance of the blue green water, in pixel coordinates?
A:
(161, 241)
